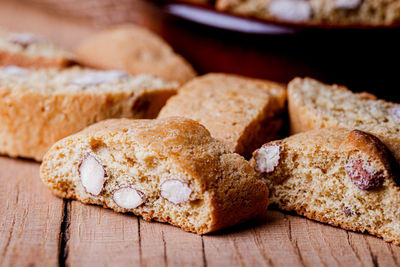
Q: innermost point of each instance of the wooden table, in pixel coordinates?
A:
(39, 229)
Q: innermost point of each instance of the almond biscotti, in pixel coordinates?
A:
(342, 177)
(30, 50)
(168, 170)
(39, 107)
(318, 12)
(135, 50)
(244, 113)
(314, 105)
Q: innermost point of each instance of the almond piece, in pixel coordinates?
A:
(24, 39)
(347, 211)
(128, 197)
(347, 4)
(175, 191)
(98, 77)
(92, 175)
(15, 71)
(291, 10)
(267, 157)
(363, 174)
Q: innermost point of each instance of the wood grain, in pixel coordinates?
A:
(166, 245)
(39, 229)
(30, 216)
(100, 237)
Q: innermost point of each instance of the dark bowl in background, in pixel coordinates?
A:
(364, 59)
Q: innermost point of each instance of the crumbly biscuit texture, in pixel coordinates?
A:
(135, 50)
(318, 12)
(342, 177)
(314, 105)
(168, 170)
(244, 113)
(39, 107)
(31, 51)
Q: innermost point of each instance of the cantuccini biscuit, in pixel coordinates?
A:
(244, 113)
(135, 50)
(168, 170)
(31, 51)
(342, 177)
(318, 12)
(314, 105)
(39, 107)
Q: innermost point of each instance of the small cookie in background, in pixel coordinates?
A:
(135, 50)
(39, 107)
(32, 51)
(342, 177)
(318, 12)
(314, 105)
(168, 170)
(243, 113)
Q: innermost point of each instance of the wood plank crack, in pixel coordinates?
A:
(393, 256)
(373, 256)
(294, 241)
(204, 252)
(257, 240)
(64, 234)
(9, 237)
(165, 249)
(352, 246)
(140, 242)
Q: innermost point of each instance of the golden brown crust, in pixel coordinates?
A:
(32, 121)
(313, 179)
(367, 143)
(136, 50)
(7, 59)
(242, 112)
(224, 184)
(314, 105)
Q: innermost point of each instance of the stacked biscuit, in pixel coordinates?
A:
(170, 170)
(328, 13)
(188, 167)
(341, 166)
(318, 12)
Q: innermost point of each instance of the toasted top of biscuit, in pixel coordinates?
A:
(226, 104)
(334, 105)
(31, 45)
(135, 50)
(77, 80)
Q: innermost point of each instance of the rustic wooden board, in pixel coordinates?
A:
(30, 217)
(39, 229)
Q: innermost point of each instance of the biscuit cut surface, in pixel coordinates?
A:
(318, 12)
(244, 113)
(336, 176)
(30, 50)
(39, 107)
(314, 105)
(135, 50)
(168, 170)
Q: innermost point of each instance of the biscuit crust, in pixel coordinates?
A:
(36, 55)
(40, 108)
(314, 105)
(145, 153)
(135, 50)
(242, 112)
(313, 179)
